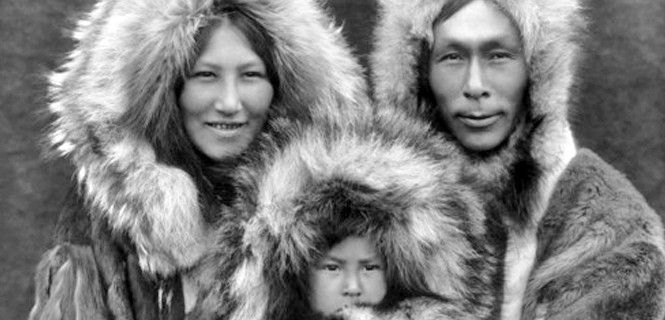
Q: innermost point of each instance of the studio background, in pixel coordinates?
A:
(619, 113)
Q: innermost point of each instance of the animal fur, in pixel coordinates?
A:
(601, 249)
(127, 58)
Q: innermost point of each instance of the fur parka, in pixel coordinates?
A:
(569, 254)
(391, 178)
(129, 57)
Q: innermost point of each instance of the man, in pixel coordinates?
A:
(494, 76)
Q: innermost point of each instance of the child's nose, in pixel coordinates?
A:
(352, 286)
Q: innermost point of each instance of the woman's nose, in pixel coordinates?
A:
(228, 98)
(475, 86)
(352, 285)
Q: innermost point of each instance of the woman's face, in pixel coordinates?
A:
(350, 273)
(226, 97)
(478, 74)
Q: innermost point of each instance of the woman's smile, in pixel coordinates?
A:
(227, 127)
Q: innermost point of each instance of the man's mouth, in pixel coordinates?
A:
(479, 120)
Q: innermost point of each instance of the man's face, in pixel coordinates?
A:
(478, 74)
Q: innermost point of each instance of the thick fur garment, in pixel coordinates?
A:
(128, 57)
(392, 178)
(601, 252)
(596, 244)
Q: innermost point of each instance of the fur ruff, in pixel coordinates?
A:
(128, 56)
(404, 181)
(549, 31)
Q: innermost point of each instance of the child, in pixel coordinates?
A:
(353, 223)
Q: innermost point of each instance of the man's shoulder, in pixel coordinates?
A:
(590, 188)
(588, 168)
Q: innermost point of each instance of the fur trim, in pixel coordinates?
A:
(128, 56)
(404, 180)
(419, 308)
(549, 31)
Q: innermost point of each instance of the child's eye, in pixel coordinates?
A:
(330, 267)
(254, 74)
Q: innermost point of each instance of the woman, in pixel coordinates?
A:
(152, 107)
(495, 77)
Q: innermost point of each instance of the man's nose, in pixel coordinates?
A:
(475, 86)
(228, 98)
(352, 285)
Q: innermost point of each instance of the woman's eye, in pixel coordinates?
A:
(203, 74)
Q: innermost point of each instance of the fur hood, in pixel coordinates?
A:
(549, 32)
(402, 184)
(128, 57)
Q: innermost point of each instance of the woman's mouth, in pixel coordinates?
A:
(226, 129)
(226, 126)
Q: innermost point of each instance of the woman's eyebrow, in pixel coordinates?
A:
(371, 259)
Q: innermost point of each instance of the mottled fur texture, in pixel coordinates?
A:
(59, 268)
(128, 56)
(402, 182)
(599, 249)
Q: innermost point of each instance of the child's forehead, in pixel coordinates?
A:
(353, 248)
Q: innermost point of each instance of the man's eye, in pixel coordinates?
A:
(498, 55)
(452, 57)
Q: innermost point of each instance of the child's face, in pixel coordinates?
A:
(350, 273)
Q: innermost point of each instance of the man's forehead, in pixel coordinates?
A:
(478, 23)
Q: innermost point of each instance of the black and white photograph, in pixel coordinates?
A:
(332, 159)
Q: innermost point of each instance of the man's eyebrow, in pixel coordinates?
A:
(216, 65)
(500, 42)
